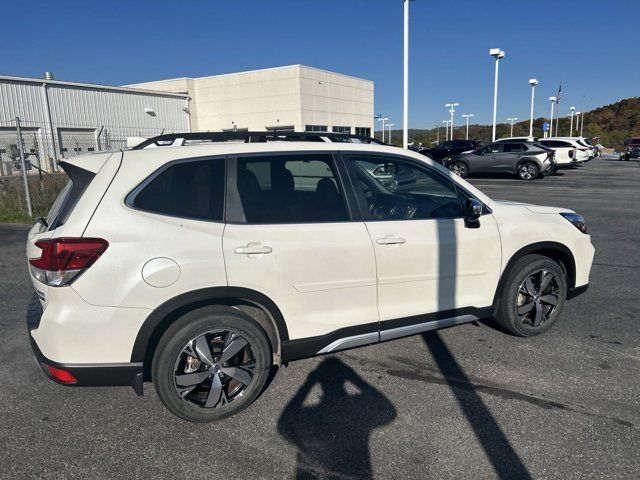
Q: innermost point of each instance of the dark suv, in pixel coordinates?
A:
(632, 149)
(451, 147)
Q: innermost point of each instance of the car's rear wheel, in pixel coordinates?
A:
(211, 363)
(528, 171)
(533, 296)
(459, 169)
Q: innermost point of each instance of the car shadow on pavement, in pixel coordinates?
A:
(331, 432)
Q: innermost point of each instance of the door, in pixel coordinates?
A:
(428, 260)
(486, 160)
(289, 236)
(510, 156)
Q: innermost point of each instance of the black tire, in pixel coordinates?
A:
(514, 297)
(211, 321)
(528, 171)
(460, 169)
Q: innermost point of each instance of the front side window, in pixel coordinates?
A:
(493, 148)
(290, 189)
(191, 189)
(393, 189)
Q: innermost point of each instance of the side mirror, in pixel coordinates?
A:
(472, 213)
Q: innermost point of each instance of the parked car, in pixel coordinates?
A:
(631, 147)
(517, 139)
(527, 160)
(203, 268)
(452, 147)
(568, 152)
(632, 154)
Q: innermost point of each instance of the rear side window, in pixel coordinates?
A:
(514, 147)
(290, 189)
(190, 189)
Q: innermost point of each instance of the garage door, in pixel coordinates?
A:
(76, 141)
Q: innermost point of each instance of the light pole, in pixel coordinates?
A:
(577, 122)
(573, 109)
(405, 99)
(497, 54)
(581, 122)
(533, 82)
(452, 110)
(467, 116)
(512, 119)
(446, 126)
(383, 119)
(389, 125)
(553, 101)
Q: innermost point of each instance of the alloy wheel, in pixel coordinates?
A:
(459, 169)
(214, 369)
(538, 297)
(527, 171)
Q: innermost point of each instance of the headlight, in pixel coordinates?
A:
(576, 220)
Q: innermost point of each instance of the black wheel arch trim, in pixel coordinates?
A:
(540, 248)
(170, 310)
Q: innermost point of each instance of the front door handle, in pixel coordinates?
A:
(253, 248)
(391, 240)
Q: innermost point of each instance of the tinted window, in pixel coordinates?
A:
(445, 145)
(514, 148)
(290, 189)
(193, 189)
(493, 148)
(460, 144)
(392, 189)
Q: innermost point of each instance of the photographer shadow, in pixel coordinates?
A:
(332, 434)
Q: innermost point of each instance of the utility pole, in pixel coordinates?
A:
(533, 82)
(553, 101)
(497, 54)
(513, 119)
(467, 116)
(405, 98)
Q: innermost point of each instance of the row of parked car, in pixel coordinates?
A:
(527, 157)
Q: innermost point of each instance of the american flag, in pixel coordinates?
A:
(559, 96)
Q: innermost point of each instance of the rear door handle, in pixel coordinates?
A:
(253, 248)
(391, 240)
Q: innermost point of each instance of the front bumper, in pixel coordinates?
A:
(86, 374)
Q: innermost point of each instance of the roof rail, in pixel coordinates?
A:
(180, 139)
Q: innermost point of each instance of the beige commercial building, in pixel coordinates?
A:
(295, 97)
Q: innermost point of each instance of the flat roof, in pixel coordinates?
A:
(91, 86)
(253, 71)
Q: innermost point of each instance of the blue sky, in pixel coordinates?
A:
(591, 47)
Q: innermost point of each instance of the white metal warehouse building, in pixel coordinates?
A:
(69, 118)
(59, 119)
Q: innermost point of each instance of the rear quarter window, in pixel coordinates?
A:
(189, 189)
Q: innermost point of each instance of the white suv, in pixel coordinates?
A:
(203, 268)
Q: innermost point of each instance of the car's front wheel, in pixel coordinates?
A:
(533, 296)
(211, 363)
(528, 171)
(459, 169)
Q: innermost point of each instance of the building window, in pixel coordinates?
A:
(364, 131)
(341, 129)
(288, 128)
(315, 128)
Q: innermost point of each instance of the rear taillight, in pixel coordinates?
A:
(64, 259)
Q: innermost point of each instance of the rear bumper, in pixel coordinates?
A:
(86, 374)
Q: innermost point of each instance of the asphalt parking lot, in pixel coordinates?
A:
(466, 402)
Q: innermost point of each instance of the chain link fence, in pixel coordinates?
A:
(30, 178)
